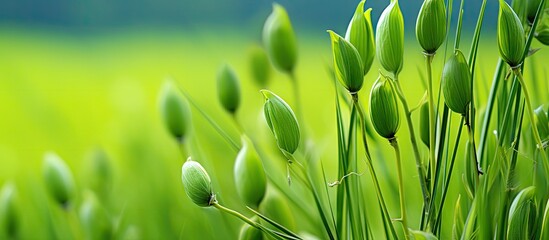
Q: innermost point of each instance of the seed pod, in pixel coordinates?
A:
(99, 173)
(282, 122)
(522, 215)
(542, 122)
(348, 65)
(360, 34)
(456, 83)
(390, 38)
(531, 10)
(511, 38)
(279, 39)
(197, 184)
(424, 123)
(248, 232)
(384, 108)
(58, 179)
(260, 68)
(249, 175)
(175, 111)
(431, 25)
(94, 218)
(9, 221)
(228, 89)
(542, 34)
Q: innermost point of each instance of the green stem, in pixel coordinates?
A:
(408, 114)
(474, 152)
(530, 111)
(394, 144)
(379, 194)
(446, 185)
(298, 108)
(489, 107)
(432, 118)
(238, 215)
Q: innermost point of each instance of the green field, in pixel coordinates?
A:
(73, 94)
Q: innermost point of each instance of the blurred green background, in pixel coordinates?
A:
(80, 76)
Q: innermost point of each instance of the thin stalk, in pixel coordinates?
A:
(449, 176)
(510, 175)
(432, 116)
(394, 144)
(474, 152)
(530, 111)
(489, 107)
(408, 114)
(297, 98)
(385, 212)
(237, 214)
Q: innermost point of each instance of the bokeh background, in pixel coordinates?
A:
(77, 77)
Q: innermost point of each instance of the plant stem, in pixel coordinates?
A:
(446, 185)
(474, 152)
(489, 107)
(383, 206)
(530, 111)
(297, 98)
(432, 118)
(238, 215)
(394, 144)
(408, 114)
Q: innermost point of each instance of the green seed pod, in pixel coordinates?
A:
(348, 65)
(431, 25)
(531, 10)
(228, 89)
(175, 111)
(99, 173)
(248, 232)
(197, 184)
(94, 218)
(260, 68)
(360, 34)
(390, 38)
(282, 122)
(456, 83)
(424, 123)
(542, 34)
(511, 38)
(384, 108)
(249, 175)
(542, 122)
(58, 179)
(279, 39)
(9, 221)
(522, 215)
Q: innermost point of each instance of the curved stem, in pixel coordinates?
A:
(238, 215)
(408, 114)
(530, 111)
(394, 144)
